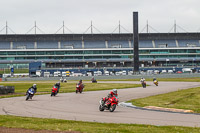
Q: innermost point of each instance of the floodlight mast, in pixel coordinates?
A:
(6, 28)
(35, 28)
(135, 43)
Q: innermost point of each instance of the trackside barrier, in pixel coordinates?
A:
(7, 89)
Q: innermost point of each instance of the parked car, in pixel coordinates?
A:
(106, 73)
(123, 72)
(170, 71)
(156, 71)
(179, 72)
(187, 70)
(164, 71)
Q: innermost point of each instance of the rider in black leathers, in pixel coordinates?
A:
(33, 87)
(58, 86)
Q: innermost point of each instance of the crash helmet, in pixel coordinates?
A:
(115, 91)
(34, 85)
(80, 80)
(58, 83)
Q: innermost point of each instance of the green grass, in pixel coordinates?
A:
(46, 86)
(182, 99)
(190, 79)
(89, 127)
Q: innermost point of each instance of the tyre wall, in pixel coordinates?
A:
(7, 89)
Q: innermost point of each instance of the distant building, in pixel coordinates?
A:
(99, 50)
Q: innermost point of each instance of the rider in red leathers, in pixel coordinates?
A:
(111, 94)
(81, 85)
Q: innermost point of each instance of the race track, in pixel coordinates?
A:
(84, 107)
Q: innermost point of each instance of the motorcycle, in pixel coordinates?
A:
(108, 104)
(29, 93)
(79, 88)
(54, 91)
(155, 82)
(143, 84)
(94, 81)
(61, 79)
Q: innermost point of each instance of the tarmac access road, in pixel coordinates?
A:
(85, 106)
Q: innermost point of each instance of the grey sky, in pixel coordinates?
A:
(105, 14)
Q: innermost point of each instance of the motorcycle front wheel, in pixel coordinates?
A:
(101, 108)
(112, 108)
(27, 97)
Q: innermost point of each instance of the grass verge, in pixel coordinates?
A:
(192, 79)
(89, 127)
(182, 99)
(45, 87)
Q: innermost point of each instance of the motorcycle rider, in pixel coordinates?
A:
(81, 83)
(142, 80)
(93, 80)
(34, 88)
(57, 86)
(155, 81)
(61, 79)
(111, 94)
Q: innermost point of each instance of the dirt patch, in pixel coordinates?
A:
(20, 130)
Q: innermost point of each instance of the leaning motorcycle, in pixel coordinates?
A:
(54, 91)
(29, 93)
(79, 88)
(143, 84)
(155, 82)
(108, 104)
(94, 81)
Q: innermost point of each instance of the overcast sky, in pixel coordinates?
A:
(104, 14)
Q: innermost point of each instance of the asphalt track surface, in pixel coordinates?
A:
(84, 107)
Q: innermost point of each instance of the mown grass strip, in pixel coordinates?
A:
(89, 127)
(45, 87)
(190, 79)
(182, 99)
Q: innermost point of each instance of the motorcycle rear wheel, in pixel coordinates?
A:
(112, 108)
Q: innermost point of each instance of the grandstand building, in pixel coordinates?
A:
(99, 50)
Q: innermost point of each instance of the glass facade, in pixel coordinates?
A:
(101, 51)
